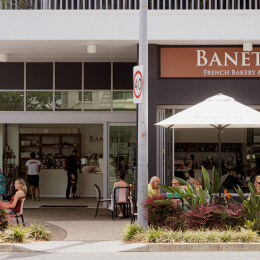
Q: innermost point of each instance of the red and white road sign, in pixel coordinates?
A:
(138, 84)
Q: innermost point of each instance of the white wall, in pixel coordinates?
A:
(174, 26)
(66, 117)
(13, 140)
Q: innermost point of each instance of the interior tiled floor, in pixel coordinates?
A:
(90, 202)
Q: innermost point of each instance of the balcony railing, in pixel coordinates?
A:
(129, 4)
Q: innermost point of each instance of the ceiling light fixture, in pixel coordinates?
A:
(3, 57)
(247, 46)
(91, 48)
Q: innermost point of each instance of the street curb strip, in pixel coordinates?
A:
(195, 247)
(15, 248)
(151, 247)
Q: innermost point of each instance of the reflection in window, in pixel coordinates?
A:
(39, 100)
(68, 101)
(123, 101)
(11, 101)
(97, 101)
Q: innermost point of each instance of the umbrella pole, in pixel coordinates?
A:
(219, 156)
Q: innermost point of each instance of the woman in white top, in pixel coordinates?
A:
(32, 174)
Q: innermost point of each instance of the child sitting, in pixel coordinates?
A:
(73, 185)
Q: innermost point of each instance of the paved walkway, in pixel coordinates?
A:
(74, 224)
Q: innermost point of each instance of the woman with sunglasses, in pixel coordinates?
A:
(257, 182)
(21, 188)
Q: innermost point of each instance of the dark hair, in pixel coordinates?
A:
(239, 153)
(192, 173)
(75, 150)
(122, 175)
(33, 155)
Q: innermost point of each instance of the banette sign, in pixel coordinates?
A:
(209, 62)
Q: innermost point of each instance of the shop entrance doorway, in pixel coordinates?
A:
(165, 147)
(122, 153)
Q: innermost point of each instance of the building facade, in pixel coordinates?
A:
(51, 82)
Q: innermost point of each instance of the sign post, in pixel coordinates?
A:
(138, 84)
(142, 134)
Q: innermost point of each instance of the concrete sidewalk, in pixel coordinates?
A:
(119, 246)
(78, 223)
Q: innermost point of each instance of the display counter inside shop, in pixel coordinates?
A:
(53, 183)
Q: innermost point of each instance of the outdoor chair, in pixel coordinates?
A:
(20, 214)
(8, 196)
(133, 209)
(98, 192)
(123, 193)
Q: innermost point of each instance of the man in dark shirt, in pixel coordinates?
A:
(72, 168)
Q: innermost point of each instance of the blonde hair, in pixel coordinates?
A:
(24, 187)
(197, 181)
(233, 173)
(256, 180)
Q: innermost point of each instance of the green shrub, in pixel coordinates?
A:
(132, 231)
(39, 232)
(15, 234)
(21, 234)
(159, 235)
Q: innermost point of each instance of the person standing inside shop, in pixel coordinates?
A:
(239, 165)
(32, 174)
(72, 169)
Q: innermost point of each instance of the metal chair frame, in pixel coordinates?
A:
(98, 192)
(20, 214)
(133, 209)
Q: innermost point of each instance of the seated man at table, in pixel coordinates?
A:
(153, 188)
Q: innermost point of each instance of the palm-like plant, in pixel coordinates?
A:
(191, 196)
(252, 204)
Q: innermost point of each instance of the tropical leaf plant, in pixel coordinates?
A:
(251, 204)
(190, 195)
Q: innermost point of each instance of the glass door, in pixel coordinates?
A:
(122, 153)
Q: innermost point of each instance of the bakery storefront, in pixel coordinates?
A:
(183, 76)
(54, 107)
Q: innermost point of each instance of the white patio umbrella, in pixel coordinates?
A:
(219, 111)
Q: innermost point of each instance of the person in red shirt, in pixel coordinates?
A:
(73, 184)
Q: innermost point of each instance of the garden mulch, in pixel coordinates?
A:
(77, 223)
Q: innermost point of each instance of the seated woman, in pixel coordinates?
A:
(233, 181)
(120, 183)
(197, 182)
(257, 184)
(21, 188)
(175, 184)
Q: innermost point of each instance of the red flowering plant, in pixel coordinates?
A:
(163, 215)
(215, 215)
(4, 216)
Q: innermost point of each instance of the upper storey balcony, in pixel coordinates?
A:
(129, 4)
